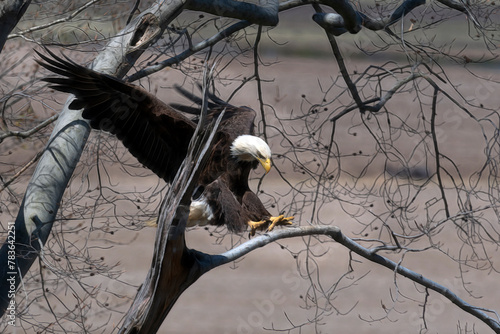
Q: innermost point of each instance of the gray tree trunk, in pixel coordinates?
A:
(53, 172)
(11, 11)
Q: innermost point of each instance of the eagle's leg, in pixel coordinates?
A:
(280, 220)
(255, 225)
(274, 221)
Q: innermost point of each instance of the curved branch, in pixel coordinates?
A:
(265, 14)
(267, 238)
(343, 69)
(27, 133)
(349, 20)
(10, 13)
(181, 267)
(370, 254)
(50, 24)
(42, 198)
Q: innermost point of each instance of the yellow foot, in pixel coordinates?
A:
(272, 221)
(255, 225)
(280, 220)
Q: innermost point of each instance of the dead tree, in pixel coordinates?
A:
(10, 14)
(175, 267)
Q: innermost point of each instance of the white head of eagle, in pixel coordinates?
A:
(251, 148)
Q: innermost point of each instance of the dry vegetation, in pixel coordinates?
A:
(418, 178)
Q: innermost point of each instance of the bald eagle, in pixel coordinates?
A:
(158, 136)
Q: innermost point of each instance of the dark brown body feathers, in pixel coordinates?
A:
(158, 136)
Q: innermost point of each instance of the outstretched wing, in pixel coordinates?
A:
(156, 134)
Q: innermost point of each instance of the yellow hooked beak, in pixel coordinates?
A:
(266, 164)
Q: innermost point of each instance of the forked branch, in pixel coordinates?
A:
(189, 265)
(370, 254)
(174, 266)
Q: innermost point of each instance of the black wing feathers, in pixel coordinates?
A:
(157, 135)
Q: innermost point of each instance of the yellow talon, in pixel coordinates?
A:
(273, 221)
(280, 220)
(255, 225)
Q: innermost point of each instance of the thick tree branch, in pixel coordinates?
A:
(347, 19)
(336, 25)
(11, 11)
(191, 264)
(333, 23)
(350, 16)
(369, 254)
(53, 172)
(174, 266)
(265, 14)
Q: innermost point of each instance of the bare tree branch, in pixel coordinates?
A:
(174, 267)
(11, 11)
(41, 202)
(369, 254)
(347, 19)
(6, 183)
(53, 23)
(343, 69)
(264, 14)
(27, 133)
(189, 52)
(398, 181)
(200, 263)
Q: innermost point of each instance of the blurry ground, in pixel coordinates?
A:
(264, 290)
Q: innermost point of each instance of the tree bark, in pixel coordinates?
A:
(174, 266)
(188, 265)
(53, 172)
(347, 19)
(264, 14)
(11, 11)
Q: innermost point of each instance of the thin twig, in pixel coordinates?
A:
(27, 133)
(50, 24)
(212, 261)
(436, 151)
(257, 79)
(343, 69)
(21, 171)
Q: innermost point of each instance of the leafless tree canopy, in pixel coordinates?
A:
(383, 117)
